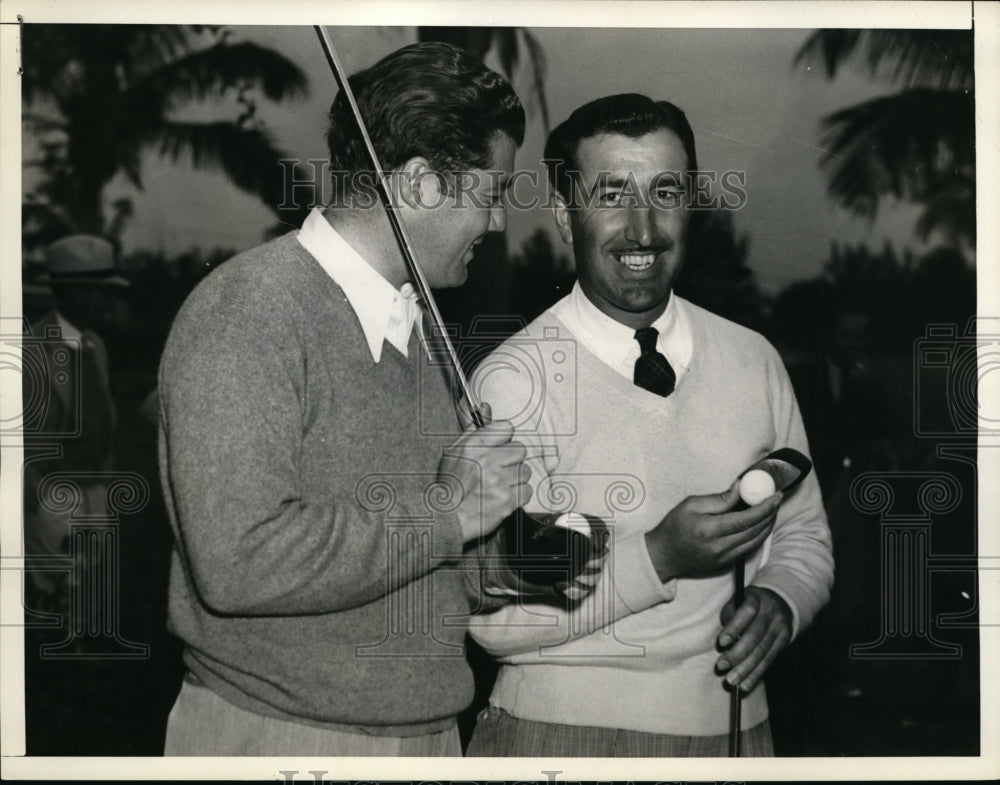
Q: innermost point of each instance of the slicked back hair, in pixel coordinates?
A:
(628, 114)
(430, 99)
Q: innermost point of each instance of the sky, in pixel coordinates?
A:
(752, 110)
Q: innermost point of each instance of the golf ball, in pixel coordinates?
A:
(756, 486)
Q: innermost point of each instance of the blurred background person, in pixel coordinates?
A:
(74, 414)
(847, 415)
(852, 428)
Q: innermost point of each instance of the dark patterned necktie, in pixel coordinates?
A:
(652, 370)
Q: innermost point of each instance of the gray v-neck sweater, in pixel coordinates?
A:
(315, 574)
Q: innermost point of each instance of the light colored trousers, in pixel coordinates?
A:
(499, 734)
(202, 723)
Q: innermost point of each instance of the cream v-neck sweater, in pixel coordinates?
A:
(639, 654)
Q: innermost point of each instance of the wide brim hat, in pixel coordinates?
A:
(82, 258)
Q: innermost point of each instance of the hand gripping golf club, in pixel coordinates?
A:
(554, 553)
(787, 468)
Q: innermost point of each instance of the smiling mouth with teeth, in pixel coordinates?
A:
(636, 261)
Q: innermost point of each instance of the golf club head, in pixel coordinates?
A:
(546, 553)
(787, 467)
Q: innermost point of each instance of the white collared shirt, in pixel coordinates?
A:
(614, 343)
(385, 313)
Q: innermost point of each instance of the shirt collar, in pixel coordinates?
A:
(608, 339)
(614, 343)
(384, 312)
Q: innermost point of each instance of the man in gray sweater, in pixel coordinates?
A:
(320, 486)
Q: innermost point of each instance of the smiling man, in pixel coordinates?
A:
(670, 403)
(319, 484)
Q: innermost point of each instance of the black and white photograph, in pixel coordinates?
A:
(533, 393)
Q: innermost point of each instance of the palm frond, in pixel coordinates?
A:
(951, 211)
(898, 145)
(146, 48)
(130, 162)
(505, 41)
(536, 54)
(35, 123)
(43, 223)
(831, 47)
(246, 156)
(56, 56)
(46, 50)
(936, 58)
(479, 41)
(475, 40)
(209, 72)
(932, 58)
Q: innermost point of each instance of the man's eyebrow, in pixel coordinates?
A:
(668, 178)
(612, 182)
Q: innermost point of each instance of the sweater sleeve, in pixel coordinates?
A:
(232, 415)
(798, 562)
(629, 583)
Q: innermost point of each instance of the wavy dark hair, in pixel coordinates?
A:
(628, 114)
(429, 99)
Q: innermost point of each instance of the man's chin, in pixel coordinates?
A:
(645, 309)
(645, 300)
(456, 280)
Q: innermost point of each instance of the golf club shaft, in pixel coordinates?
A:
(402, 238)
(735, 697)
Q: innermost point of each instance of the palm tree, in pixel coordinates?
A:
(489, 291)
(915, 144)
(98, 96)
(508, 42)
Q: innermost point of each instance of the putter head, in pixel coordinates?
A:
(787, 467)
(546, 553)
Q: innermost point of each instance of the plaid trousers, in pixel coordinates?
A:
(499, 734)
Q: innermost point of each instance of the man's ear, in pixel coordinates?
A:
(417, 184)
(562, 215)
